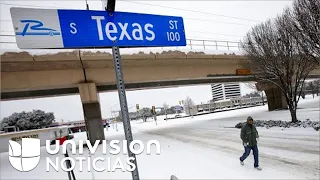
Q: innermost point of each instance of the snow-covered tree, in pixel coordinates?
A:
(317, 86)
(165, 106)
(145, 113)
(313, 87)
(188, 104)
(306, 15)
(35, 119)
(283, 51)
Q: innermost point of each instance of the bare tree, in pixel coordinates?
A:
(165, 107)
(311, 87)
(317, 86)
(145, 113)
(188, 104)
(252, 94)
(276, 56)
(306, 21)
(251, 85)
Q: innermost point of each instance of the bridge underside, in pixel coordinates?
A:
(14, 95)
(87, 74)
(27, 76)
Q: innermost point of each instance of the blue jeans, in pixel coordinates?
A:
(246, 153)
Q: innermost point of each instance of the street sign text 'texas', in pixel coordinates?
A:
(51, 28)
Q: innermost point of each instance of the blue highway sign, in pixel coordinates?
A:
(51, 28)
(178, 108)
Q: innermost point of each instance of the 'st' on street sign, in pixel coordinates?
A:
(52, 28)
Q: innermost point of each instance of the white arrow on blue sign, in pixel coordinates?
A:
(52, 28)
(178, 108)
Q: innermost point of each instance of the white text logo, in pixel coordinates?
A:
(24, 156)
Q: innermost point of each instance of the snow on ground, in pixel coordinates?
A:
(205, 147)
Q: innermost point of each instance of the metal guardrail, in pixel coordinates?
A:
(193, 44)
(212, 44)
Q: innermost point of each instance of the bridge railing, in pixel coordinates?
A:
(8, 44)
(213, 44)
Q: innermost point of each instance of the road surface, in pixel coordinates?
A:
(295, 150)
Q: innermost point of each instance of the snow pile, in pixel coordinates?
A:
(285, 124)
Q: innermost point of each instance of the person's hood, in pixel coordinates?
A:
(249, 118)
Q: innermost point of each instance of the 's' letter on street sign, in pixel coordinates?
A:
(52, 28)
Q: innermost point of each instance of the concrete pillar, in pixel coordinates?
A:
(92, 111)
(275, 97)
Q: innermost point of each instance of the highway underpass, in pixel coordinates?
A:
(29, 76)
(24, 75)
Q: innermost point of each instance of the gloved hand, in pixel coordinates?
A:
(245, 144)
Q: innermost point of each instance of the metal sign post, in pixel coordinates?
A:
(77, 29)
(124, 106)
(122, 95)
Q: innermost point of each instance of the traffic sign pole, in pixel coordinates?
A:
(124, 106)
(122, 94)
(69, 29)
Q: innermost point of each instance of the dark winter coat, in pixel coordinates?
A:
(249, 134)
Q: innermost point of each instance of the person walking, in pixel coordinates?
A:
(249, 136)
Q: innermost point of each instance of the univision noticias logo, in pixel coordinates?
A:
(25, 156)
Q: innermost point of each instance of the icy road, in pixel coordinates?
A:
(207, 147)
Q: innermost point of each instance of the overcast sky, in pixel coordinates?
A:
(205, 20)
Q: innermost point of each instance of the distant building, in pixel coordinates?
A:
(225, 91)
(76, 126)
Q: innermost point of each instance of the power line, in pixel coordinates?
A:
(222, 22)
(192, 19)
(203, 32)
(7, 33)
(152, 5)
(12, 35)
(26, 5)
(208, 40)
(207, 13)
(188, 39)
(8, 42)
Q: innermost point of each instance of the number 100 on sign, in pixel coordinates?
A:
(173, 36)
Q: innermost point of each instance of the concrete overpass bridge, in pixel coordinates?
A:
(87, 73)
(26, 76)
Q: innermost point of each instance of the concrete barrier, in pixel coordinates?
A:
(42, 134)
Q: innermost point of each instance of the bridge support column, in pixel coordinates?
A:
(92, 111)
(275, 97)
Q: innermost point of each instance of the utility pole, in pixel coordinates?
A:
(153, 110)
(165, 111)
(137, 111)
